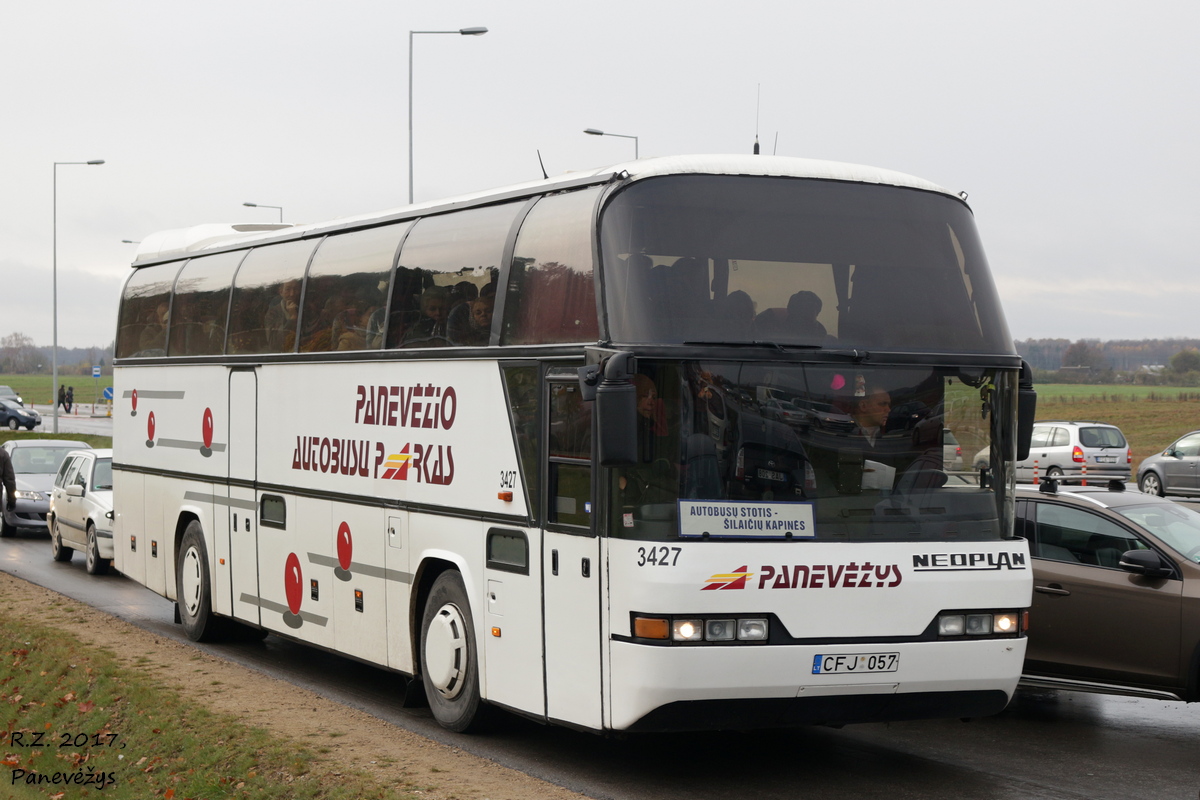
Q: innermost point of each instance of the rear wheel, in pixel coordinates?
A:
(1054, 474)
(57, 549)
(1151, 484)
(193, 588)
(449, 666)
(95, 564)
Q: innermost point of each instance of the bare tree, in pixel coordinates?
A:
(18, 354)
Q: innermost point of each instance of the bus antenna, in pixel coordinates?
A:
(757, 108)
(542, 165)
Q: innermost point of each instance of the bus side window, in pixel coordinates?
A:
(266, 298)
(346, 292)
(202, 305)
(551, 291)
(145, 311)
(570, 452)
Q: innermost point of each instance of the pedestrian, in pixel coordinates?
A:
(62, 396)
(70, 398)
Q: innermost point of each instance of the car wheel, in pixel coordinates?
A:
(193, 589)
(1150, 483)
(95, 564)
(13, 424)
(1054, 474)
(449, 666)
(58, 550)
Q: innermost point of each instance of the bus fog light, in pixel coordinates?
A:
(720, 630)
(752, 630)
(951, 625)
(688, 630)
(651, 628)
(1004, 623)
(979, 624)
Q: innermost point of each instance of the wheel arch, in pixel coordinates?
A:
(428, 571)
(185, 518)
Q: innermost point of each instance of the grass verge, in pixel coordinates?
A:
(78, 724)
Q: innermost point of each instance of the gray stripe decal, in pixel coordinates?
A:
(271, 605)
(232, 502)
(363, 569)
(152, 394)
(186, 445)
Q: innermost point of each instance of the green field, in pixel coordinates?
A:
(39, 389)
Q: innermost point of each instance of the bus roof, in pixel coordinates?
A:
(183, 242)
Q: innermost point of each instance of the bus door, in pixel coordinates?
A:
(570, 557)
(237, 540)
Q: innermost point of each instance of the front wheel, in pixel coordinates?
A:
(1151, 484)
(193, 589)
(58, 550)
(13, 424)
(95, 564)
(449, 662)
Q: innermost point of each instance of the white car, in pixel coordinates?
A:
(81, 510)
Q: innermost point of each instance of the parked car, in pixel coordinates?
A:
(1116, 597)
(951, 451)
(81, 510)
(35, 461)
(14, 416)
(7, 393)
(1173, 471)
(1062, 449)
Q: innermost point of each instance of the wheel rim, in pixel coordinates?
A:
(12, 425)
(190, 582)
(91, 549)
(1150, 484)
(55, 540)
(446, 655)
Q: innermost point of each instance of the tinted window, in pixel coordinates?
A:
(202, 305)
(266, 299)
(1070, 534)
(1101, 437)
(736, 258)
(551, 294)
(346, 292)
(445, 284)
(145, 311)
(522, 385)
(570, 444)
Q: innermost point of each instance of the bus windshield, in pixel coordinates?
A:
(737, 259)
(855, 453)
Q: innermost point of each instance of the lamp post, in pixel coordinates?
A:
(594, 132)
(264, 205)
(411, 34)
(54, 276)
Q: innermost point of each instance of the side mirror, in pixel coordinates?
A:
(1145, 562)
(616, 412)
(75, 490)
(1026, 411)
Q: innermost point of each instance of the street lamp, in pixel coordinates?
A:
(264, 205)
(54, 276)
(411, 34)
(594, 132)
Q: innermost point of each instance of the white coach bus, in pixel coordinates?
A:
(665, 446)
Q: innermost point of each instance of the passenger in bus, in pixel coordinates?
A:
(736, 313)
(479, 327)
(870, 413)
(280, 319)
(154, 331)
(802, 311)
(655, 478)
(430, 329)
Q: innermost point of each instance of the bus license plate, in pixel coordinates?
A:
(771, 475)
(856, 662)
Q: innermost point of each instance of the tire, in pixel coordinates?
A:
(1150, 483)
(193, 587)
(95, 564)
(58, 550)
(6, 530)
(1053, 474)
(449, 664)
(13, 424)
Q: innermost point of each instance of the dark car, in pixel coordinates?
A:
(35, 462)
(7, 393)
(14, 416)
(1174, 470)
(1116, 592)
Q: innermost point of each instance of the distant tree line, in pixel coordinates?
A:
(19, 355)
(1173, 362)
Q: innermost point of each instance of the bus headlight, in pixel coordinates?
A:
(951, 625)
(720, 630)
(752, 630)
(688, 630)
(1004, 623)
(979, 623)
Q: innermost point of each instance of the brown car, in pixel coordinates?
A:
(1116, 597)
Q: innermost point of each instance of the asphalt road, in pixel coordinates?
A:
(1045, 745)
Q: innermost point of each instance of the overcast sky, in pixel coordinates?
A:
(1072, 126)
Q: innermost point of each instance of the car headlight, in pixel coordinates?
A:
(25, 495)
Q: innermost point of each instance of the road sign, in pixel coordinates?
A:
(108, 394)
(95, 372)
